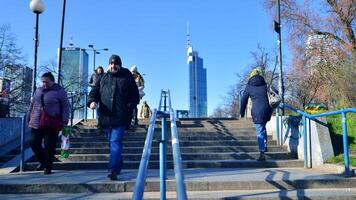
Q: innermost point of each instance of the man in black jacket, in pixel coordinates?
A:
(117, 95)
(261, 111)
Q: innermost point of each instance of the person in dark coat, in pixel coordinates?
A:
(117, 95)
(261, 111)
(96, 76)
(51, 98)
(93, 79)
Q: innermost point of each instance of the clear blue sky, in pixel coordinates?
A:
(152, 35)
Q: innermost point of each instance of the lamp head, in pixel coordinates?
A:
(37, 6)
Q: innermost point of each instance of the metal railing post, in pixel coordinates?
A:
(162, 158)
(277, 127)
(71, 111)
(22, 161)
(85, 106)
(345, 143)
(305, 142)
(310, 144)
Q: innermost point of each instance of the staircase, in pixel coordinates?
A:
(219, 158)
(204, 144)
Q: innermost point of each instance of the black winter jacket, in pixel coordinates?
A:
(94, 78)
(256, 89)
(117, 95)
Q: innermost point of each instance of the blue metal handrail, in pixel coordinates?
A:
(142, 172)
(141, 177)
(306, 116)
(177, 158)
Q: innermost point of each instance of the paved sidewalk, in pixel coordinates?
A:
(200, 183)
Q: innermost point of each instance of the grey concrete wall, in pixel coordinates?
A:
(292, 136)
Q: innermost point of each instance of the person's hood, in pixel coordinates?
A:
(256, 80)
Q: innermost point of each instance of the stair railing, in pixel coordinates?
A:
(141, 176)
(307, 131)
(177, 158)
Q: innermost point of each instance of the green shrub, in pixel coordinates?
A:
(335, 128)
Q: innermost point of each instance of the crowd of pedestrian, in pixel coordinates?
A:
(116, 94)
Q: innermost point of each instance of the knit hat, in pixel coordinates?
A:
(133, 68)
(115, 59)
(256, 71)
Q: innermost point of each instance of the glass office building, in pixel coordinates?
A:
(74, 73)
(197, 85)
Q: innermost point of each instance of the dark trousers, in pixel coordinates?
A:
(44, 155)
(135, 113)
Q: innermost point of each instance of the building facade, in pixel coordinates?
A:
(197, 85)
(74, 76)
(18, 89)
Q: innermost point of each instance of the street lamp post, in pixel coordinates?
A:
(37, 7)
(96, 51)
(277, 28)
(59, 67)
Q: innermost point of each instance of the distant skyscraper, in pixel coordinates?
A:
(197, 83)
(74, 72)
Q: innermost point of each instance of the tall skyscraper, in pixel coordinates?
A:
(74, 73)
(197, 83)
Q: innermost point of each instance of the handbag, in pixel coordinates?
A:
(273, 98)
(48, 122)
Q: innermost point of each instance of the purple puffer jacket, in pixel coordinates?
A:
(55, 102)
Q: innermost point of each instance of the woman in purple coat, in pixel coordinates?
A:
(53, 99)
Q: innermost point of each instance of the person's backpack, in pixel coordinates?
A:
(273, 98)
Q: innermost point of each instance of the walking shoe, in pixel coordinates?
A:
(39, 167)
(112, 175)
(262, 157)
(266, 149)
(47, 171)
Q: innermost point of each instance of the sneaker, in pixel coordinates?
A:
(47, 171)
(39, 167)
(266, 149)
(262, 157)
(112, 175)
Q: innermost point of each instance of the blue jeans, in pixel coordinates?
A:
(115, 136)
(261, 136)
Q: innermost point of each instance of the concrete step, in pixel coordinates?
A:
(158, 137)
(231, 131)
(315, 194)
(227, 143)
(200, 180)
(91, 165)
(184, 156)
(193, 149)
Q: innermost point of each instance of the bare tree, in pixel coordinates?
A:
(322, 38)
(13, 67)
(334, 19)
(10, 54)
(260, 58)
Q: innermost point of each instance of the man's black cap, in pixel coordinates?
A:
(115, 59)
